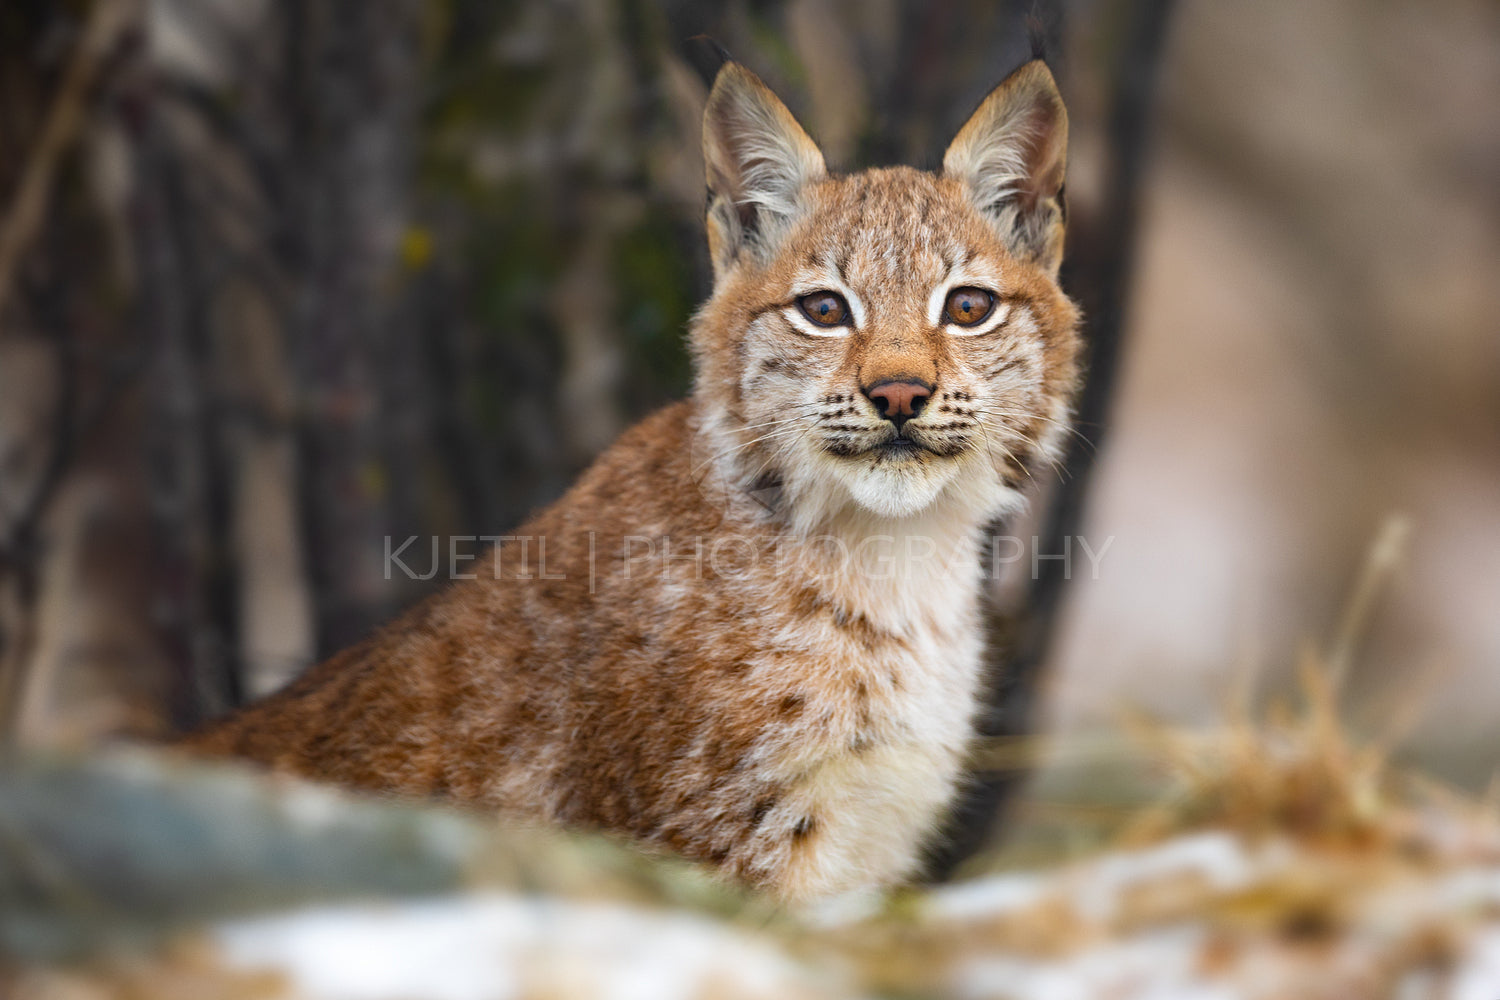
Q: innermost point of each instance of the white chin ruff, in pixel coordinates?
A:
(898, 489)
(821, 489)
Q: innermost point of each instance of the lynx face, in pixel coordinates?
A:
(891, 339)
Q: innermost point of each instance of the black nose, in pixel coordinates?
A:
(898, 402)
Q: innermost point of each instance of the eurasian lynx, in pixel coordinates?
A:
(750, 631)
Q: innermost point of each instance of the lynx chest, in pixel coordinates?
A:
(875, 754)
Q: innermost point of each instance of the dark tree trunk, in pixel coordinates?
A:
(353, 82)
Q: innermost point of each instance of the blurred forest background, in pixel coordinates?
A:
(275, 284)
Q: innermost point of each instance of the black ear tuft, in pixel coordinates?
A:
(706, 56)
(1036, 35)
(1044, 28)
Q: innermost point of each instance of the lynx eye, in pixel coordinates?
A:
(825, 308)
(968, 306)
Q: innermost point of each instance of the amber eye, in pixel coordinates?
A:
(825, 308)
(967, 306)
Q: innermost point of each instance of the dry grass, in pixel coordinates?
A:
(1299, 768)
(1296, 770)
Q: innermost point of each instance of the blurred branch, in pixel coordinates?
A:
(1384, 555)
(20, 548)
(20, 532)
(107, 23)
(1097, 274)
(239, 132)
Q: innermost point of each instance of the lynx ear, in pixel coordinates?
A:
(758, 160)
(1011, 155)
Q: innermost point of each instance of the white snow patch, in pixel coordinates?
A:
(1153, 967)
(488, 947)
(989, 897)
(1478, 975)
(1218, 858)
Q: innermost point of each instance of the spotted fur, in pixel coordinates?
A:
(754, 636)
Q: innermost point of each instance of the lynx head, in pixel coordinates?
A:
(893, 339)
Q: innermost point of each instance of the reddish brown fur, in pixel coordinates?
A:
(465, 686)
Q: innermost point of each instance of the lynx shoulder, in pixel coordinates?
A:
(750, 633)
